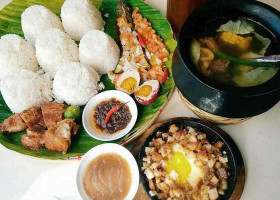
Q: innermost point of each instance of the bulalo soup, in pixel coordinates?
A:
(223, 55)
(108, 176)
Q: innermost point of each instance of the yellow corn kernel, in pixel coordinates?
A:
(235, 41)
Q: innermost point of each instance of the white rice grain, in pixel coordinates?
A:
(75, 84)
(79, 17)
(24, 89)
(37, 19)
(55, 48)
(99, 50)
(16, 53)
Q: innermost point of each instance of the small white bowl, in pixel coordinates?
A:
(103, 149)
(121, 96)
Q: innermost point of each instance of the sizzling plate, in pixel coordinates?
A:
(236, 179)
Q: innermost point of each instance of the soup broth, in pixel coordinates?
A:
(223, 54)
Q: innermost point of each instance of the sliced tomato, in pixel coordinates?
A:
(141, 41)
(164, 78)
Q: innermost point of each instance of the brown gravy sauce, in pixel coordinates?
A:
(107, 177)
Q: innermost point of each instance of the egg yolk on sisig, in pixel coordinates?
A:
(129, 84)
(180, 165)
(144, 91)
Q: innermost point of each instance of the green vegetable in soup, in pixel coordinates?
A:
(239, 61)
(260, 43)
(240, 27)
(195, 51)
(72, 112)
(254, 77)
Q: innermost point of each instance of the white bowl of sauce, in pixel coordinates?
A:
(108, 171)
(120, 122)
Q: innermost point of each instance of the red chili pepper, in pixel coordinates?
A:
(141, 41)
(112, 111)
(164, 78)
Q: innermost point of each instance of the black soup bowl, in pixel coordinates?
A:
(218, 99)
(236, 180)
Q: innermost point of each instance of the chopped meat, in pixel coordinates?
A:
(64, 128)
(173, 128)
(36, 130)
(75, 128)
(219, 66)
(33, 116)
(222, 173)
(213, 194)
(219, 144)
(34, 139)
(53, 113)
(209, 43)
(54, 142)
(32, 142)
(58, 138)
(13, 124)
(214, 181)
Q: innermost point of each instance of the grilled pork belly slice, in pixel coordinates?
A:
(33, 116)
(36, 130)
(52, 113)
(13, 124)
(58, 138)
(34, 139)
(33, 142)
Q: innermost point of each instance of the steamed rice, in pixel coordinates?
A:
(55, 48)
(75, 84)
(99, 50)
(16, 53)
(79, 17)
(24, 89)
(37, 19)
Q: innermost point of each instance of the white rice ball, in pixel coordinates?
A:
(79, 17)
(75, 84)
(100, 51)
(24, 89)
(55, 48)
(16, 53)
(37, 19)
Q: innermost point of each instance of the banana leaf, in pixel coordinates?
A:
(10, 23)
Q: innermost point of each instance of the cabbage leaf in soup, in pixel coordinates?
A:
(239, 27)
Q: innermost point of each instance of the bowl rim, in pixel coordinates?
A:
(103, 149)
(238, 167)
(257, 90)
(119, 95)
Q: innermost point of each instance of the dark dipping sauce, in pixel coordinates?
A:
(118, 120)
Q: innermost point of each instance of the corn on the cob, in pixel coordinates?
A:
(232, 40)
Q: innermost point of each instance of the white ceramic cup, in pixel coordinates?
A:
(103, 149)
(121, 96)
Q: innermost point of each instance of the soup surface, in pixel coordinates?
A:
(107, 177)
(118, 120)
(224, 54)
